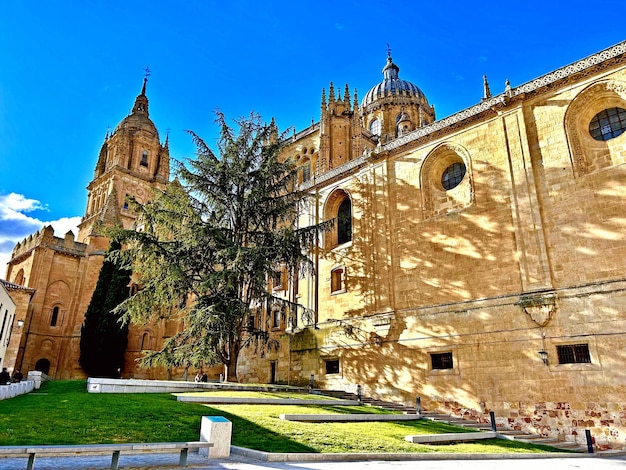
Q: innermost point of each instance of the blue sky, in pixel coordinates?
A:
(70, 70)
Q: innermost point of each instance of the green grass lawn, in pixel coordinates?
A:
(62, 412)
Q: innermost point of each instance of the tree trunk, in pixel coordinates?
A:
(231, 365)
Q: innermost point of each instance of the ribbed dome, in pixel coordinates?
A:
(137, 121)
(139, 117)
(393, 89)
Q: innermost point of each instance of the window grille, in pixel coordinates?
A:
(441, 360)
(453, 175)
(332, 366)
(573, 354)
(608, 124)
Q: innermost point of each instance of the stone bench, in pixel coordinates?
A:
(113, 449)
(450, 437)
(360, 417)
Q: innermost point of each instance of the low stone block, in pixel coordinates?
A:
(217, 430)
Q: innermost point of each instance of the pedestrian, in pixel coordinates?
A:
(17, 376)
(5, 378)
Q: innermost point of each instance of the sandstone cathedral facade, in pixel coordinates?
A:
(477, 261)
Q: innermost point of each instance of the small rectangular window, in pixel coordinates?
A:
(332, 366)
(573, 354)
(276, 319)
(441, 360)
(337, 280)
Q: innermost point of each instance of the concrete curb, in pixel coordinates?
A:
(347, 457)
(263, 401)
(346, 418)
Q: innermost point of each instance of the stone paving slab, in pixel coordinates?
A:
(253, 460)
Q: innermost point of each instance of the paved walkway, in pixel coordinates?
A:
(423, 462)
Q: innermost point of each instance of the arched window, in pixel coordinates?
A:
(375, 127)
(608, 124)
(54, 318)
(145, 341)
(337, 280)
(446, 180)
(144, 158)
(338, 208)
(306, 171)
(344, 222)
(19, 279)
(595, 122)
(453, 175)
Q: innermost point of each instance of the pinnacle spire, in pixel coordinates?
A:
(486, 90)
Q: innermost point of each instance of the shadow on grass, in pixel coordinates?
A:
(252, 436)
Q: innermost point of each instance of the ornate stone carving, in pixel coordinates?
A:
(541, 307)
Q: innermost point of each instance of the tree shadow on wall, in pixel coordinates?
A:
(410, 270)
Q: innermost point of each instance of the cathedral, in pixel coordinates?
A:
(477, 261)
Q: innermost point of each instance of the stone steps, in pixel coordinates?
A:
(514, 435)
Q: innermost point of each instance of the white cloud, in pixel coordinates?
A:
(16, 224)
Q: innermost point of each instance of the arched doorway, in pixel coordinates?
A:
(43, 365)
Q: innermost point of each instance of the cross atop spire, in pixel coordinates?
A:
(145, 80)
(388, 51)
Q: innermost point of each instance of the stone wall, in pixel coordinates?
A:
(526, 254)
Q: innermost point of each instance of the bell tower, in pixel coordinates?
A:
(132, 162)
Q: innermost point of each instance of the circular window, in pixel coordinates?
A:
(453, 175)
(608, 124)
(375, 127)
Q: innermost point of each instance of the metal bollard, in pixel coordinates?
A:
(492, 417)
(589, 441)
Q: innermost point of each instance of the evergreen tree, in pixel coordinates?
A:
(211, 241)
(103, 337)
